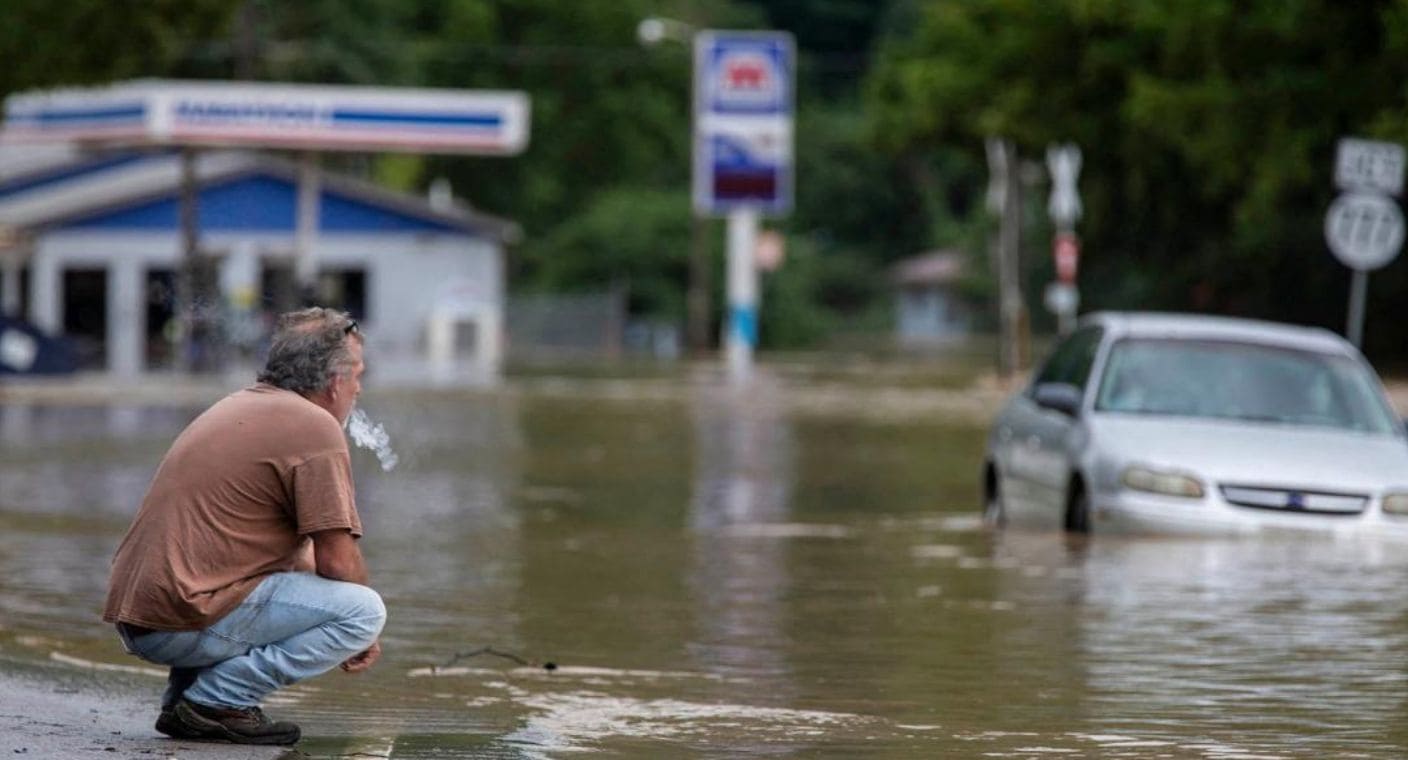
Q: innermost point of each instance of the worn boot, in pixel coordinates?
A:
(240, 725)
(167, 723)
(177, 681)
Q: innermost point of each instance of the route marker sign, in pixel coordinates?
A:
(1364, 227)
(1369, 165)
(1364, 230)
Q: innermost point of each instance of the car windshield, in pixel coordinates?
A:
(1227, 380)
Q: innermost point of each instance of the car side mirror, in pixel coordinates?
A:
(1060, 397)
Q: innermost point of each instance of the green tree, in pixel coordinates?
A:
(46, 44)
(605, 110)
(630, 238)
(1208, 130)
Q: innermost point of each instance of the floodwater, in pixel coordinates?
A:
(795, 571)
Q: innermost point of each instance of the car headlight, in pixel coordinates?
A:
(1167, 482)
(1395, 503)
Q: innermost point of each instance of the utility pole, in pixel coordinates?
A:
(246, 41)
(1005, 200)
(698, 312)
(188, 272)
(305, 235)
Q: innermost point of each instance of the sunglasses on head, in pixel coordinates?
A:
(352, 328)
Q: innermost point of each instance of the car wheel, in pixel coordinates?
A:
(994, 513)
(1078, 510)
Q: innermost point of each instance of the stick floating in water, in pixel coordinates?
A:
(549, 665)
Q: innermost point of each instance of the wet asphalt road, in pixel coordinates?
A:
(59, 715)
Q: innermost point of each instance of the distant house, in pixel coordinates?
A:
(93, 242)
(928, 307)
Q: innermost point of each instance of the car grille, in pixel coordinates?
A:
(1293, 500)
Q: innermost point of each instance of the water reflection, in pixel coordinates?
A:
(1257, 647)
(1256, 642)
(739, 576)
(87, 462)
(743, 467)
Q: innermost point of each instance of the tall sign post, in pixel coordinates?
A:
(743, 116)
(1364, 227)
(1062, 297)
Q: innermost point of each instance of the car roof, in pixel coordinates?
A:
(1149, 324)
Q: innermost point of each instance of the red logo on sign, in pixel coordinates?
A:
(1066, 249)
(747, 75)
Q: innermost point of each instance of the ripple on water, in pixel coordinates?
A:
(577, 721)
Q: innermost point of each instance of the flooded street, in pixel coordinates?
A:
(800, 571)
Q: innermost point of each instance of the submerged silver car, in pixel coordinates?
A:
(1165, 423)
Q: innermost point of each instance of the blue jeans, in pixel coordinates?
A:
(293, 626)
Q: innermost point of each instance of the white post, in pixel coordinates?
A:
(239, 277)
(1358, 292)
(741, 333)
(46, 307)
(490, 342)
(1066, 320)
(305, 263)
(1009, 263)
(126, 317)
(10, 295)
(440, 345)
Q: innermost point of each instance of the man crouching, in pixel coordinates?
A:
(241, 570)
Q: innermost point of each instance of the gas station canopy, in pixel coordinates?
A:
(270, 115)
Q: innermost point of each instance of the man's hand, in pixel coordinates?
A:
(360, 662)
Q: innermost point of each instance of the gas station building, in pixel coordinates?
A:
(98, 189)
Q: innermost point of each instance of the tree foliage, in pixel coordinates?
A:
(1208, 131)
(627, 238)
(90, 42)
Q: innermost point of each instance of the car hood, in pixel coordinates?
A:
(1254, 453)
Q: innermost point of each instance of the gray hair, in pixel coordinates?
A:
(309, 349)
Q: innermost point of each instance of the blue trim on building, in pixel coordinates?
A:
(120, 113)
(258, 203)
(40, 179)
(428, 119)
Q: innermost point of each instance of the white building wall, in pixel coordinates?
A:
(409, 278)
(409, 295)
(929, 315)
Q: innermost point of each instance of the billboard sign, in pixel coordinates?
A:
(743, 122)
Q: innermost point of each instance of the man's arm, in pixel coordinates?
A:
(337, 556)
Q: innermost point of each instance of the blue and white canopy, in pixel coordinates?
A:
(252, 114)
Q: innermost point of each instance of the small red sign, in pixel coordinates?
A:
(1066, 249)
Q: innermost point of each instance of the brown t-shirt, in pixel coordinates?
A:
(233, 501)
